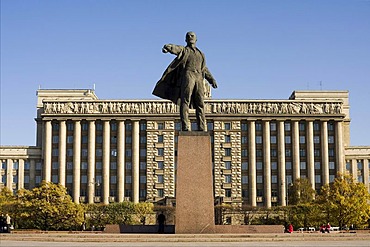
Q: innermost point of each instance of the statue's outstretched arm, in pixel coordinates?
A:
(173, 49)
(210, 78)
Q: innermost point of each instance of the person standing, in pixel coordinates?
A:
(184, 79)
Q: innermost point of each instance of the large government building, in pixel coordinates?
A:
(106, 151)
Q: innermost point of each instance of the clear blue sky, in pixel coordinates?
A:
(255, 49)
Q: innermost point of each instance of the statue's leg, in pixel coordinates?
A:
(187, 86)
(199, 103)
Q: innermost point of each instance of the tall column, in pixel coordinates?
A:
(339, 146)
(310, 154)
(121, 160)
(20, 174)
(91, 163)
(325, 152)
(106, 159)
(32, 174)
(135, 160)
(47, 151)
(281, 163)
(296, 159)
(76, 161)
(267, 161)
(354, 169)
(9, 174)
(252, 164)
(62, 152)
(366, 173)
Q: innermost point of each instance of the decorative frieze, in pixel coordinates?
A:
(211, 107)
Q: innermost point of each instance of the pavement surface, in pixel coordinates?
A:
(82, 239)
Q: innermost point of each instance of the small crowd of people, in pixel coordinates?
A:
(325, 228)
(5, 223)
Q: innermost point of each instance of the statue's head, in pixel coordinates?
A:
(191, 38)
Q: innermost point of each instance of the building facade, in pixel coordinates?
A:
(107, 151)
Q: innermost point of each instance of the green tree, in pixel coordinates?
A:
(48, 207)
(345, 202)
(142, 209)
(301, 192)
(7, 200)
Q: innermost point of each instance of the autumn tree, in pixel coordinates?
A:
(300, 192)
(6, 200)
(48, 207)
(142, 210)
(345, 202)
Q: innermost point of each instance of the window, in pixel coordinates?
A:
(84, 179)
(69, 139)
(177, 126)
(99, 152)
(303, 165)
(348, 166)
(160, 192)
(317, 152)
(55, 139)
(99, 126)
(258, 139)
(227, 151)
(55, 165)
(227, 138)
(84, 126)
(259, 179)
(273, 152)
(317, 179)
(38, 166)
(38, 179)
(331, 126)
(210, 126)
(331, 152)
(113, 126)
(316, 126)
(128, 179)
(142, 193)
(259, 165)
(302, 152)
(227, 179)
(143, 126)
(54, 179)
(330, 139)
(274, 165)
(142, 152)
(27, 179)
(244, 126)
(142, 179)
(160, 151)
(69, 165)
(244, 139)
(273, 126)
(288, 165)
(128, 139)
(244, 152)
(26, 165)
(259, 153)
(84, 152)
(273, 139)
(84, 165)
(142, 165)
(227, 126)
(160, 126)
(98, 165)
(287, 126)
(113, 165)
(227, 165)
(274, 179)
(55, 152)
(288, 152)
(69, 179)
(317, 165)
(84, 139)
(99, 139)
(69, 126)
(244, 179)
(160, 138)
(316, 139)
(3, 165)
(302, 126)
(227, 192)
(331, 165)
(331, 178)
(302, 139)
(360, 165)
(258, 126)
(288, 139)
(128, 126)
(128, 152)
(244, 166)
(128, 166)
(160, 164)
(55, 126)
(113, 139)
(160, 179)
